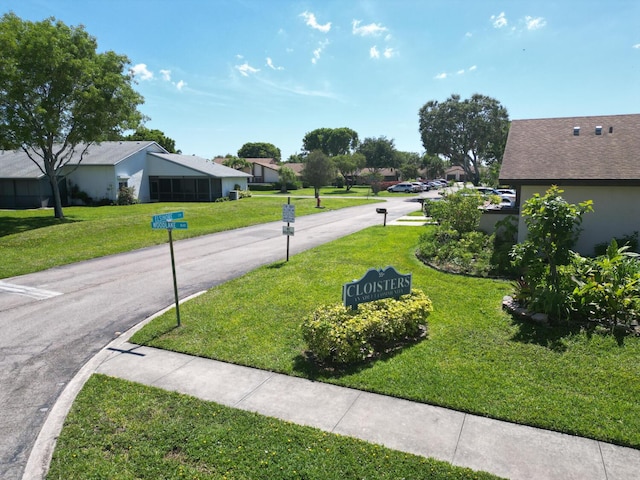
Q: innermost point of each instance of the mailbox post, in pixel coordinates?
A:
(383, 211)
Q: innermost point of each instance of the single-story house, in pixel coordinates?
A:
(591, 158)
(155, 175)
(263, 170)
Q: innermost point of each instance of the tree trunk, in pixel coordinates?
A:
(55, 189)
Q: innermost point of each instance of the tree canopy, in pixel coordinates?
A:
(349, 166)
(158, 136)
(58, 95)
(380, 153)
(236, 163)
(469, 133)
(260, 150)
(318, 170)
(331, 141)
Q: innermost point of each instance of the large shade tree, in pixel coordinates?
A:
(331, 141)
(470, 133)
(154, 135)
(260, 150)
(350, 165)
(380, 153)
(318, 171)
(58, 95)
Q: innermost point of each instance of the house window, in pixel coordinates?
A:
(599, 130)
(123, 184)
(576, 131)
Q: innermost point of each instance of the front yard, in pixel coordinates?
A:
(476, 358)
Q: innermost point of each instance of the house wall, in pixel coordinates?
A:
(616, 212)
(229, 184)
(134, 169)
(97, 181)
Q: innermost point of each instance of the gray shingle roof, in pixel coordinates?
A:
(547, 150)
(16, 163)
(202, 165)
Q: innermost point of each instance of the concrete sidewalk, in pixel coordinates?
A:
(505, 449)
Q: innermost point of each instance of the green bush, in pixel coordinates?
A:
(263, 188)
(471, 253)
(127, 196)
(459, 210)
(336, 334)
(630, 240)
(608, 286)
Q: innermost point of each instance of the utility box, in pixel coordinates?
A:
(234, 195)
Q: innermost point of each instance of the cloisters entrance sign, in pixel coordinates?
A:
(375, 285)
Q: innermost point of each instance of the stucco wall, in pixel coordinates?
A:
(97, 181)
(616, 212)
(229, 184)
(133, 168)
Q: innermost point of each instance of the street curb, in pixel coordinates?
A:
(40, 457)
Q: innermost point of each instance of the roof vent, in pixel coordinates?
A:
(598, 129)
(576, 131)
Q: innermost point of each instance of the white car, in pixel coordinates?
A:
(405, 187)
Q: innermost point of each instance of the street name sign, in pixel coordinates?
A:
(164, 217)
(170, 225)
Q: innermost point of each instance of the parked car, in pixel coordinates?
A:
(443, 182)
(420, 187)
(405, 187)
(507, 200)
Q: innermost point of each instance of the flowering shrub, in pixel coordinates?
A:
(339, 335)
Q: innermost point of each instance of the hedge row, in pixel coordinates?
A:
(336, 334)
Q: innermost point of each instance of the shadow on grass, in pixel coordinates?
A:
(308, 366)
(552, 336)
(11, 225)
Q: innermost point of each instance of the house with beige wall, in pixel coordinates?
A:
(590, 158)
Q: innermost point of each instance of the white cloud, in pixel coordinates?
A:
(637, 45)
(140, 70)
(318, 51)
(374, 52)
(166, 75)
(460, 72)
(441, 76)
(468, 35)
(373, 29)
(245, 69)
(499, 21)
(389, 52)
(534, 23)
(473, 68)
(272, 66)
(181, 84)
(310, 19)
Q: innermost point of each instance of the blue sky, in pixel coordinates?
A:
(217, 74)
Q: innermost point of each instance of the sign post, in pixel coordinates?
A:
(289, 216)
(166, 221)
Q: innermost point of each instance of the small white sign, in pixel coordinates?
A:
(286, 230)
(288, 213)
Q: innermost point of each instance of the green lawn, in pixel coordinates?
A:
(118, 429)
(33, 240)
(475, 358)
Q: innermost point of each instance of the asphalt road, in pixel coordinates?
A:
(53, 322)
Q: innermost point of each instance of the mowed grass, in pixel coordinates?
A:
(33, 240)
(118, 429)
(476, 358)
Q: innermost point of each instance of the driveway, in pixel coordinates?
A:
(53, 322)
